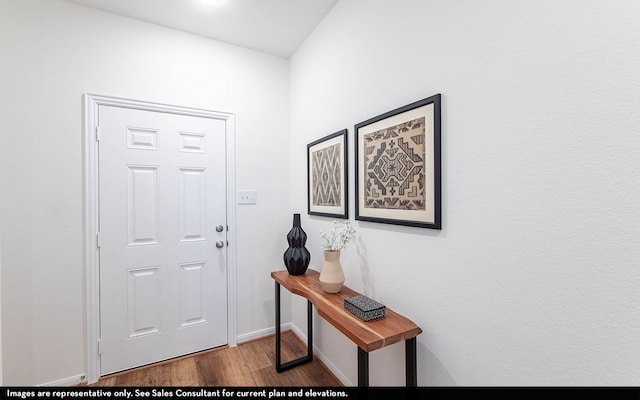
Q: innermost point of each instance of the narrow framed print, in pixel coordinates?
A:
(327, 176)
(398, 166)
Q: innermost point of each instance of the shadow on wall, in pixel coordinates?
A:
(430, 370)
(368, 281)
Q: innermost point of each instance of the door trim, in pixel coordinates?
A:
(91, 212)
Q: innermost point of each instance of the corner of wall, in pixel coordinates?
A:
(337, 372)
(1, 380)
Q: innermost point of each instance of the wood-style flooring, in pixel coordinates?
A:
(248, 364)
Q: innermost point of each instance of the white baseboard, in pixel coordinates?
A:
(71, 381)
(76, 380)
(325, 360)
(261, 333)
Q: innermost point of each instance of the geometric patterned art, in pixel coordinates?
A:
(394, 167)
(326, 170)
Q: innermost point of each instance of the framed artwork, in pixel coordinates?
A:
(398, 166)
(327, 176)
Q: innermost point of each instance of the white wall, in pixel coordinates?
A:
(534, 278)
(1, 374)
(53, 53)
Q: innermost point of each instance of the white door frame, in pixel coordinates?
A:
(91, 212)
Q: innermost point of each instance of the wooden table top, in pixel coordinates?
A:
(368, 335)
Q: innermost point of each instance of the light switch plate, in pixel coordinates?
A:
(247, 197)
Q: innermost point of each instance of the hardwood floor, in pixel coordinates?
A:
(249, 364)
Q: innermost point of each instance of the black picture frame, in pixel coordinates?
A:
(327, 178)
(398, 166)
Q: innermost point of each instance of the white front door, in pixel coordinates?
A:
(162, 224)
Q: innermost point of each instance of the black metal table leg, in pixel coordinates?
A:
(309, 357)
(411, 360)
(309, 330)
(278, 327)
(363, 367)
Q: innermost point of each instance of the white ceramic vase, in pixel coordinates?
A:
(331, 275)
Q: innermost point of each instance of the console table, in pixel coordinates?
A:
(369, 336)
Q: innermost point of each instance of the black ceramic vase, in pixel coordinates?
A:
(297, 257)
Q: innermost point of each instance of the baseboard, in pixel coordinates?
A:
(325, 360)
(71, 381)
(247, 337)
(78, 379)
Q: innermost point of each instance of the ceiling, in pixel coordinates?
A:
(276, 27)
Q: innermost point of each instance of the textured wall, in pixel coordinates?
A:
(534, 278)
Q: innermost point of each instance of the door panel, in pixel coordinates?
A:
(163, 282)
(192, 204)
(144, 301)
(142, 207)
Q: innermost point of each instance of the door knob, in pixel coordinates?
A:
(219, 228)
(220, 244)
